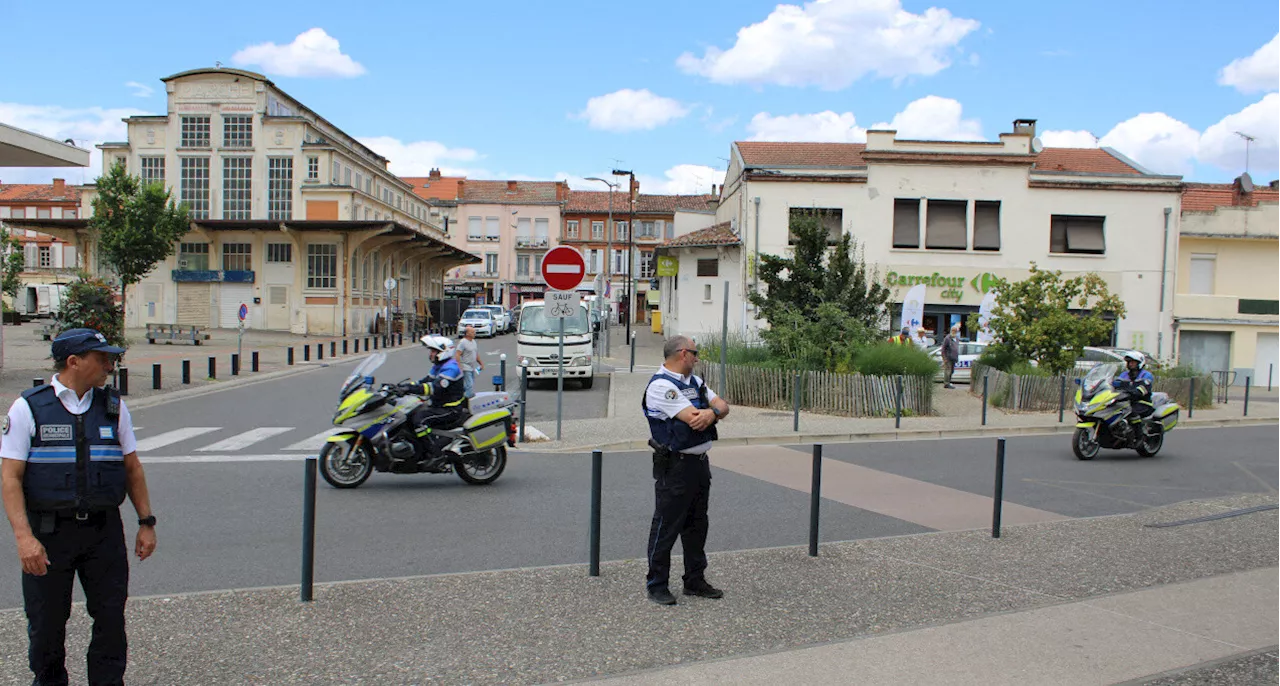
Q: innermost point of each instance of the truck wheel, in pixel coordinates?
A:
(588, 382)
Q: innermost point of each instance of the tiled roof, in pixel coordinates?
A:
(1084, 160)
(719, 234)
(845, 155)
(37, 192)
(593, 202)
(497, 193)
(438, 188)
(1206, 197)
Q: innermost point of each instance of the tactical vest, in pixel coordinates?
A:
(453, 394)
(671, 432)
(75, 463)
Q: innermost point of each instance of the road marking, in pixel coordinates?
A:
(175, 436)
(911, 500)
(313, 443)
(244, 440)
(192, 459)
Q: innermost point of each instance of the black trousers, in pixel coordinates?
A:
(680, 511)
(95, 550)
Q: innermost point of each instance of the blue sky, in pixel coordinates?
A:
(542, 91)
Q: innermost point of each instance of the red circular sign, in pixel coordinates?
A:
(563, 268)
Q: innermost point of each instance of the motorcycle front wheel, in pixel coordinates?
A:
(1151, 445)
(345, 465)
(482, 468)
(1084, 448)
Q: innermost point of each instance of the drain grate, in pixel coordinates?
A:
(1212, 517)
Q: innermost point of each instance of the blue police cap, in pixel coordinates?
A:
(80, 341)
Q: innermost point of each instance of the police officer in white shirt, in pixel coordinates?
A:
(682, 414)
(69, 459)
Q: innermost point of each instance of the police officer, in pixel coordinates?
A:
(682, 413)
(1138, 382)
(70, 457)
(446, 405)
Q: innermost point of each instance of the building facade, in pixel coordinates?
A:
(290, 216)
(48, 259)
(955, 215)
(1227, 306)
(692, 271)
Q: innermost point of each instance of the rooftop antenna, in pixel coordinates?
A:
(1247, 140)
(217, 64)
(1097, 142)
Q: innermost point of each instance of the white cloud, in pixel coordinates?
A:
(1221, 147)
(934, 118)
(631, 110)
(684, 179)
(313, 53)
(418, 158)
(140, 90)
(832, 43)
(1068, 139)
(824, 127)
(1156, 141)
(1257, 72)
(87, 126)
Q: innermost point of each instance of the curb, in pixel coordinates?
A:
(903, 435)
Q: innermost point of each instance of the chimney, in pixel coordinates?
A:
(462, 188)
(1275, 185)
(511, 186)
(1025, 126)
(434, 175)
(562, 191)
(713, 189)
(59, 187)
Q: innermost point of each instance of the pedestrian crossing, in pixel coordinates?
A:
(219, 444)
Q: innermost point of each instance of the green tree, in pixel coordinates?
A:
(1032, 319)
(137, 225)
(14, 261)
(90, 302)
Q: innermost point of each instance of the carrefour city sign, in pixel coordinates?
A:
(953, 286)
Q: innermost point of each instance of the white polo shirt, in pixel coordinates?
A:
(666, 401)
(21, 424)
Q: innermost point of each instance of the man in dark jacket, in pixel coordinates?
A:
(950, 354)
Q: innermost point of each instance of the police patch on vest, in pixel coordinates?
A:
(6, 424)
(671, 394)
(55, 432)
(106, 432)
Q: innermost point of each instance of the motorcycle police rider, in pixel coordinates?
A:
(1138, 382)
(446, 405)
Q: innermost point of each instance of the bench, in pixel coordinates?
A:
(175, 333)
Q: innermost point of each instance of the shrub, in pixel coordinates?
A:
(890, 359)
(91, 303)
(1024, 368)
(1000, 357)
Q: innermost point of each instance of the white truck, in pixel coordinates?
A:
(538, 344)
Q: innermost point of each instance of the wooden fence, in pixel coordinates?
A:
(1041, 393)
(850, 395)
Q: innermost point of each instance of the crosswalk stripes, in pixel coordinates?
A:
(176, 436)
(245, 439)
(313, 443)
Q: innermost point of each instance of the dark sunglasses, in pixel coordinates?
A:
(690, 350)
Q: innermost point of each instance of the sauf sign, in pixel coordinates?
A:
(953, 286)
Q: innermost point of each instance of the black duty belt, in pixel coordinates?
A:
(691, 456)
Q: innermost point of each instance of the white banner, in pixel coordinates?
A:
(984, 317)
(913, 308)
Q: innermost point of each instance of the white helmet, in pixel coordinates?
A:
(1136, 357)
(441, 347)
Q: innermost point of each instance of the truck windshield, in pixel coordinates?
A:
(533, 323)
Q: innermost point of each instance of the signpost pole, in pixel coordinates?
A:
(242, 313)
(560, 380)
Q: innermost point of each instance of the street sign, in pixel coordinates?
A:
(563, 268)
(562, 304)
(390, 283)
(244, 311)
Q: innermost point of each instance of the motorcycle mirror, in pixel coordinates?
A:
(1077, 381)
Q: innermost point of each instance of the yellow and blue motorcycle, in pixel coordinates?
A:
(377, 433)
(1105, 417)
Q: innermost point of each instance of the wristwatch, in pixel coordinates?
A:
(147, 521)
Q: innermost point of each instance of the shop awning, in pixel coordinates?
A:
(652, 296)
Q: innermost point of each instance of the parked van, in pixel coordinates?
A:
(538, 344)
(39, 300)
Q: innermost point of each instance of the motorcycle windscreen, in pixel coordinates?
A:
(365, 368)
(1098, 378)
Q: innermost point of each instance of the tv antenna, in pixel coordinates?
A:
(1247, 140)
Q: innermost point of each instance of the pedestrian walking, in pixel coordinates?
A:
(69, 459)
(682, 414)
(469, 360)
(950, 354)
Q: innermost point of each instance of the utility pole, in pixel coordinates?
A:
(631, 195)
(608, 254)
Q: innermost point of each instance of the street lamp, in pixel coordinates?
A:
(608, 254)
(631, 220)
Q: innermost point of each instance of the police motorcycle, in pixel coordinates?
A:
(1105, 418)
(377, 433)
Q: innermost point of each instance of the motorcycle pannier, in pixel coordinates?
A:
(1167, 415)
(487, 430)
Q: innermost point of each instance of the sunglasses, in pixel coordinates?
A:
(690, 350)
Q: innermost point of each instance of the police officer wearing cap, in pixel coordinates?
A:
(682, 414)
(69, 460)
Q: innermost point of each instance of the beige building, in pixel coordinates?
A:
(954, 215)
(291, 216)
(1227, 307)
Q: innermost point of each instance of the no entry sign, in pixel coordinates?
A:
(563, 268)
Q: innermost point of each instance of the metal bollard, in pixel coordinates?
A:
(344, 346)
(633, 352)
(897, 420)
(333, 348)
(594, 531)
(502, 371)
(186, 372)
(1191, 406)
(235, 364)
(35, 383)
(155, 377)
(984, 399)
(1248, 381)
(253, 361)
(815, 499)
(290, 357)
(524, 392)
(319, 351)
(1270, 367)
(308, 529)
(1062, 398)
(998, 499)
(366, 344)
(795, 420)
(124, 381)
(213, 367)
(375, 342)
(306, 353)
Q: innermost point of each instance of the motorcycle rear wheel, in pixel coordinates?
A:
(1082, 446)
(1151, 445)
(344, 465)
(479, 470)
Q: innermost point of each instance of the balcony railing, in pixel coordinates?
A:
(532, 241)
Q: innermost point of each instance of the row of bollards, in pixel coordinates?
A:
(350, 346)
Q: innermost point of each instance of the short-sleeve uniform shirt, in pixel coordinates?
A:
(666, 401)
(20, 424)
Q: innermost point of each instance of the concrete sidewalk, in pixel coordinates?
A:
(1078, 601)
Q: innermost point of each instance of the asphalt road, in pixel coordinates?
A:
(238, 524)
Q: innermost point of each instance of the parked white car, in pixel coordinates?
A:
(501, 317)
(970, 351)
(1094, 356)
(481, 318)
